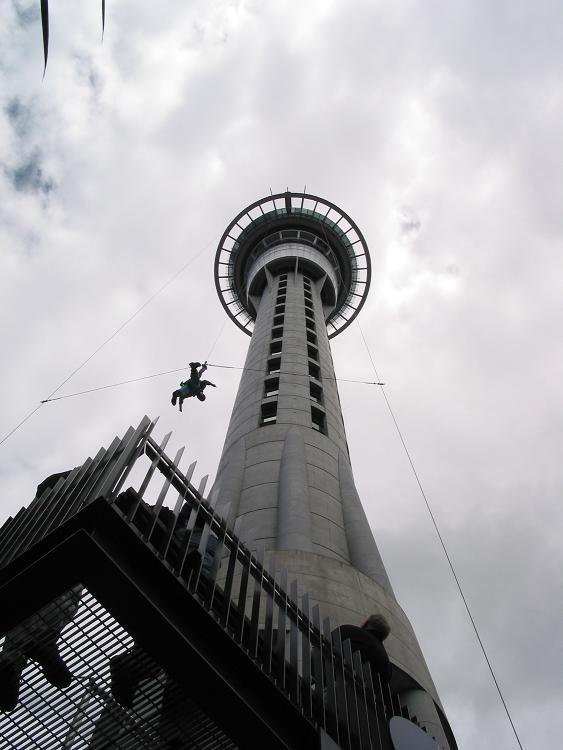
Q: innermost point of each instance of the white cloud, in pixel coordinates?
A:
(154, 140)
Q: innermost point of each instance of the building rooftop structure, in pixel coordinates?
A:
(204, 672)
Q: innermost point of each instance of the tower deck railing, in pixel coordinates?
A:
(264, 615)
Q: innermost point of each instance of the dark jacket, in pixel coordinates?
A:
(370, 647)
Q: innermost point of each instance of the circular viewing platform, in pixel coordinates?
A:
(288, 230)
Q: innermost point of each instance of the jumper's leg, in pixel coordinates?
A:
(194, 370)
(47, 655)
(12, 663)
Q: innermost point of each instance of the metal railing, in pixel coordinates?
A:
(291, 643)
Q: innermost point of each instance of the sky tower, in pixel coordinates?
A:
(293, 270)
(137, 613)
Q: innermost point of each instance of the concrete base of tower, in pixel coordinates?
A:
(348, 596)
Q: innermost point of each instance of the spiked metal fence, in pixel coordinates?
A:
(267, 620)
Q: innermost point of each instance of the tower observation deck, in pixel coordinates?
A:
(293, 270)
(301, 231)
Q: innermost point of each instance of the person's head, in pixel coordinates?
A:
(378, 625)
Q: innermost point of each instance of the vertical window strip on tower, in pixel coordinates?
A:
(269, 409)
(318, 415)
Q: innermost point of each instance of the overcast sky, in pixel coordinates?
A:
(437, 127)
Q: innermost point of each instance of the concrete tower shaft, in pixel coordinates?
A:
(295, 489)
(292, 271)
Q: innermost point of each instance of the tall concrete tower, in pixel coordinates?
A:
(293, 270)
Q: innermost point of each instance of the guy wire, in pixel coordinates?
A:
(443, 544)
(109, 338)
(210, 364)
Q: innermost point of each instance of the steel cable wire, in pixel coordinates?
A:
(442, 542)
(108, 339)
(210, 364)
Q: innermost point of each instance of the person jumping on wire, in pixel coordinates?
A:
(194, 386)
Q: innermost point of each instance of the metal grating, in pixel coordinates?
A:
(98, 652)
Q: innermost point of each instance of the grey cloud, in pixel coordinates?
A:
(27, 13)
(454, 114)
(511, 611)
(29, 177)
(87, 70)
(409, 222)
(19, 115)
